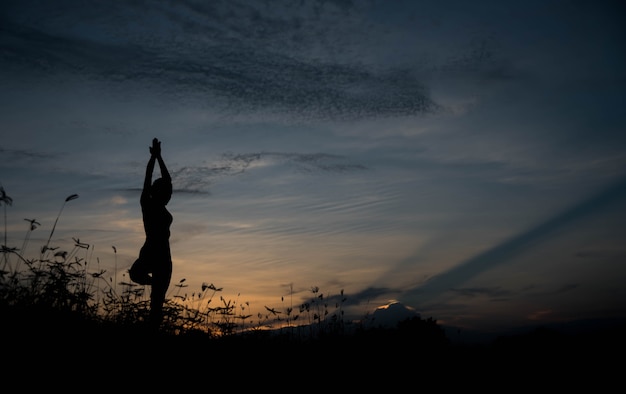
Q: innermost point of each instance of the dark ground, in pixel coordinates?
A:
(62, 351)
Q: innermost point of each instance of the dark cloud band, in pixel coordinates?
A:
(212, 63)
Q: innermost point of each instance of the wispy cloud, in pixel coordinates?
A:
(16, 157)
(200, 178)
(227, 58)
(489, 292)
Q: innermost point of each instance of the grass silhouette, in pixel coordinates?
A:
(63, 285)
(58, 305)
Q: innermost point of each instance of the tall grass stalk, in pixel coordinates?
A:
(33, 225)
(47, 245)
(115, 272)
(4, 198)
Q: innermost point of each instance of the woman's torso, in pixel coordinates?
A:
(157, 221)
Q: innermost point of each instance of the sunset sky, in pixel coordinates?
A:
(467, 159)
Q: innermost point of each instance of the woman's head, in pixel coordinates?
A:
(161, 191)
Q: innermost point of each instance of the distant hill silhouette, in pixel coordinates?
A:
(388, 316)
(583, 330)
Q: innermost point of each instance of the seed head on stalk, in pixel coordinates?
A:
(68, 198)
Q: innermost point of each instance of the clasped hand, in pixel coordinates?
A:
(155, 149)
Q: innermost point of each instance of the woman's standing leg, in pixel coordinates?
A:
(160, 283)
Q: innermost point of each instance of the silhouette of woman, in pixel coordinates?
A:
(154, 265)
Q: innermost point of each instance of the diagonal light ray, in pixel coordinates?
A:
(503, 252)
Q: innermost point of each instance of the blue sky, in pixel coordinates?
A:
(464, 158)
